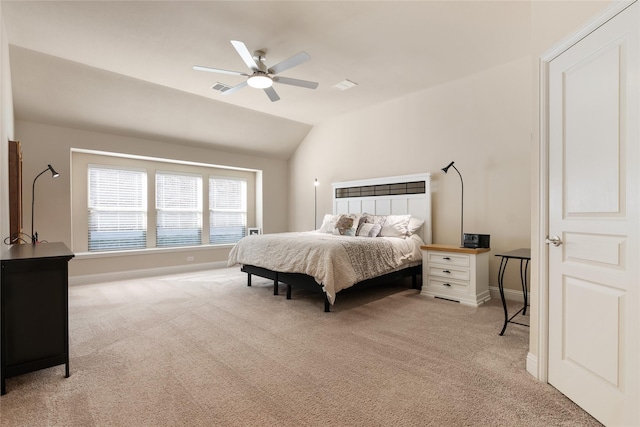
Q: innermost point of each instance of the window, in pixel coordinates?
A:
(118, 201)
(178, 209)
(117, 204)
(227, 209)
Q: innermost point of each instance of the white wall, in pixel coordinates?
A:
(482, 122)
(45, 144)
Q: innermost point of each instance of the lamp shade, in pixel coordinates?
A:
(54, 174)
(446, 168)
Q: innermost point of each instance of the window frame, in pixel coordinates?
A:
(142, 210)
(81, 158)
(198, 211)
(242, 209)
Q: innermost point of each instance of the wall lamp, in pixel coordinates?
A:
(54, 174)
(445, 169)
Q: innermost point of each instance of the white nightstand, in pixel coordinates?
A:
(455, 273)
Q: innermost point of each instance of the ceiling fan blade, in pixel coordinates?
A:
(271, 93)
(235, 88)
(244, 53)
(290, 63)
(296, 82)
(218, 70)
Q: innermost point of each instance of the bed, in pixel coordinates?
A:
(375, 232)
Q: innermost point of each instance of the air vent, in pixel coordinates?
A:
(220, 87)
(345, 84)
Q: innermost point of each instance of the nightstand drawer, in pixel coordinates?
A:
(449, 273)
(446, 258)
(447, 288)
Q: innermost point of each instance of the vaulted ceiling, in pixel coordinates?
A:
(126, 66)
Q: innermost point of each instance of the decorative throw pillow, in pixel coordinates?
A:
(375, 231)
(396, 226)
(364, 229)
(373, 219)
(368, 230)
(347, 224)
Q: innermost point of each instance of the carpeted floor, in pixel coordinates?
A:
(203, 349)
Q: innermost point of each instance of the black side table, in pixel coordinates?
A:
(524, 255)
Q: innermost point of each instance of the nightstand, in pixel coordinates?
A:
(455, 273)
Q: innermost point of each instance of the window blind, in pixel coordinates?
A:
(117, 205)
(227, 209)
(178, 210)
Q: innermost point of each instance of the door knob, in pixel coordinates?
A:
(553, 239)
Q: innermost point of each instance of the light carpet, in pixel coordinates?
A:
(203, 349)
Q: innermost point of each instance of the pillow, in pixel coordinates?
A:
(373, 219)
(347, 224)
(328, 223)
(369, 230)
(396, 226)
(414, 225)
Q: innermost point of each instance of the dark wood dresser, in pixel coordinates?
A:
(34, 308)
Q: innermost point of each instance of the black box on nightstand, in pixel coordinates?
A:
(472, 240)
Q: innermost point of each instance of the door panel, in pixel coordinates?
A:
(584, 331)
(593, 205)
(591, 113)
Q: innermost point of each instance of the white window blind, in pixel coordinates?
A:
(227, 209)
(117, 205)
(178, 210)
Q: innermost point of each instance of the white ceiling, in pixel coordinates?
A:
(126, 66)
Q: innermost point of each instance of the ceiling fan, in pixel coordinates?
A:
(261, 76)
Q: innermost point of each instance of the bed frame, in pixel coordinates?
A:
(398, 195)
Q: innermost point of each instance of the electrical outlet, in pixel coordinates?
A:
(189, 258)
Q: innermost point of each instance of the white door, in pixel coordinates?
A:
(593, 210)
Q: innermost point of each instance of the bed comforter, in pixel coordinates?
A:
(335, 262)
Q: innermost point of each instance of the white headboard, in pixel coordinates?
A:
(396, 195)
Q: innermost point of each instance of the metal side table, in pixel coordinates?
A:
(524, 255)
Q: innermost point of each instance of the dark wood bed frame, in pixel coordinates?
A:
(304, 280)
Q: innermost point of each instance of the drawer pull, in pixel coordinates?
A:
(446, 271)
(447, 258)
(447, 284)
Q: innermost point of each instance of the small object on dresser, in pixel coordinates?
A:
(473, 240)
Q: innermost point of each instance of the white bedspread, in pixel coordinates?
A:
(336, 262)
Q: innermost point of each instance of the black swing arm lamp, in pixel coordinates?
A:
(445, 169)
(54, 174)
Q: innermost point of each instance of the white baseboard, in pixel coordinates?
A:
(532, 364)
(509, 294)
(150, 272)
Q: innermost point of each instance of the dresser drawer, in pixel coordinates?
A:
(449, 272)
(446, 258)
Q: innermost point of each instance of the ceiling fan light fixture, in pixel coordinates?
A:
(260, 81)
